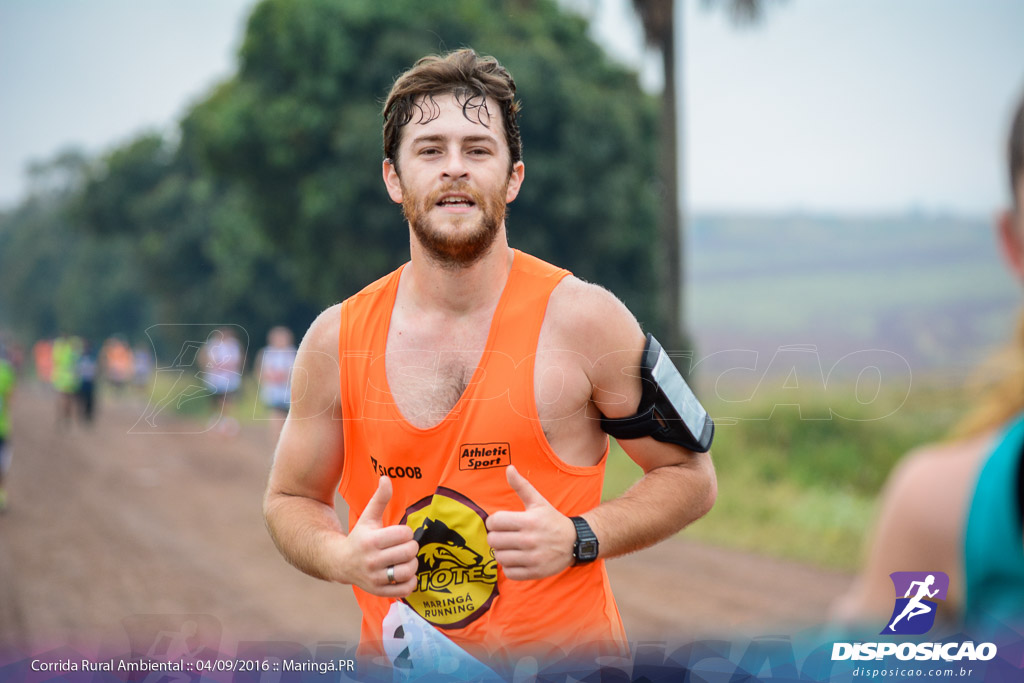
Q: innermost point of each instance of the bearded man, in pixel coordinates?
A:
(466, 428)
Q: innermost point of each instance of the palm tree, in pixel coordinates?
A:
(658, 19)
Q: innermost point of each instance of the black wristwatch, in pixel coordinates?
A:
(585, 548)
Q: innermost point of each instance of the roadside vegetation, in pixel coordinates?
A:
(806, 489)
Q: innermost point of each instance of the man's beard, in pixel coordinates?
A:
(467, 238)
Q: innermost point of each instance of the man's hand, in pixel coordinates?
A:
(371, 548)
(532, 544)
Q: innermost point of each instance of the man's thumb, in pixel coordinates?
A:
(374, 510)
(524, 489)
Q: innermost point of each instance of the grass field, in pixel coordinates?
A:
(805, 489)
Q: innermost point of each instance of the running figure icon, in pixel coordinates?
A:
(916, 606)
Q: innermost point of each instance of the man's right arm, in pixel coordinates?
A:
(299, 501)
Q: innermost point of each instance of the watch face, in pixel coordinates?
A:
(588, 550)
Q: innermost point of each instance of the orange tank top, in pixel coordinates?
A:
(449, 478)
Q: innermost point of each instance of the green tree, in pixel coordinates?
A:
(298, 128)
(52, 276)
(200, 252)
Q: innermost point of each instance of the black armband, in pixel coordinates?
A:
(668, 410)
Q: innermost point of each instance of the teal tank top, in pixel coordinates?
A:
(994, 539)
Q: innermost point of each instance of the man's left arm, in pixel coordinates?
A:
(678, 486)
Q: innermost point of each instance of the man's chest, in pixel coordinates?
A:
(429, 369)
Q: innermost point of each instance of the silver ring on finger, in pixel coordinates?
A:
(391, 575)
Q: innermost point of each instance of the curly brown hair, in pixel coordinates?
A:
(462, 73)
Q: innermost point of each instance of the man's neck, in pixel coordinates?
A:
(461, 290)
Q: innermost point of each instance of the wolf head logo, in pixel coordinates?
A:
(441, 547)
(456, 581)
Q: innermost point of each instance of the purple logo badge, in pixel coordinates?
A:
(917, 596)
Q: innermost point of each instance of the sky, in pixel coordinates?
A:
(94, 73)
(828, 106)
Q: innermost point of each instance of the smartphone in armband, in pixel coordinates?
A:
(669, 410)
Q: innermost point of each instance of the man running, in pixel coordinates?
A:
(274, 372)
(464, 428)
(66, 351)
(221, 359)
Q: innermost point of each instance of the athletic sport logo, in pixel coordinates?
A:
(479, 456)
(457, 578)
(914, 612)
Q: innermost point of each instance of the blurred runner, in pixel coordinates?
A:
(274, 371)
(15, 353)
(117, 362)
(221, 363)
(142, 360)
(87, 369)
(42, 356)
(7, 381)
(958, 507)
(64, 375)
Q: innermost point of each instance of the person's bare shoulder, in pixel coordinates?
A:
(322, 335)
(930, 486)
(591, 319)
(601, 335)
(920, 525)
(315, 386)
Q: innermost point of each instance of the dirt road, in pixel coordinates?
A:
(111, 533)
